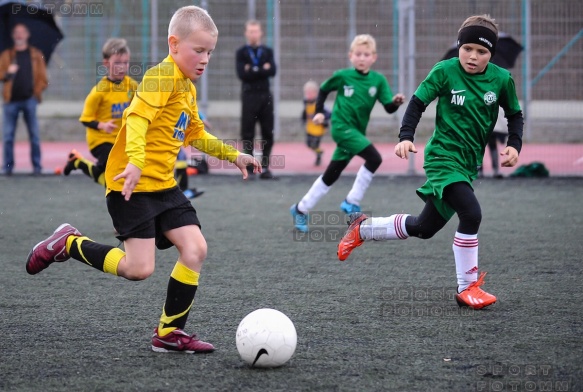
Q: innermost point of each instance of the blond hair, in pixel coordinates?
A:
(364, 40)
(484, 20)
(114, 46)
(310, 84)
(190, 18)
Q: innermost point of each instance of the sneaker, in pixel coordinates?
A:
(70, 166)
(50, 250)
(266, 174)
(192, 193)
(351, 238)
(179, 341)
(300, 219)
(349, 208)
(474, 296)
(318, 159)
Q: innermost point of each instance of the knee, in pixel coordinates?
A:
(141, 272)
(194, 255)
(470, 221)
(419, 229)
(373, 162)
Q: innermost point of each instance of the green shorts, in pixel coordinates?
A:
(349, 142)
(439, 175)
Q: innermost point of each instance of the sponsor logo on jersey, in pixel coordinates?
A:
(372, 91)
(181, 125)
(457, 99)
(118, 108)
(490, 98)
(348, 91)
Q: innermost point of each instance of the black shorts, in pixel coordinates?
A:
(101, 152)
(150, 214)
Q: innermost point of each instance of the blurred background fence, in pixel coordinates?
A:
(311, 39)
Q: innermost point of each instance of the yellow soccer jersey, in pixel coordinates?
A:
(105, 102)
(311, 128)
(167, 99)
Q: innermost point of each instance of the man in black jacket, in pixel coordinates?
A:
(255, 65)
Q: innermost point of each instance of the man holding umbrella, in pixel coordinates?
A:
(23, 71)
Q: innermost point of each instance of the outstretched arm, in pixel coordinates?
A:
(209, 144)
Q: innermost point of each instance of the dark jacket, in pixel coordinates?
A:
(255, 77)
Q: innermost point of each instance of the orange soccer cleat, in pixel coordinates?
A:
(351, 238)
(474, 296)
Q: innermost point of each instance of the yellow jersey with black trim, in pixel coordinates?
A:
(167, 99)
(106, 101)
(312, 129)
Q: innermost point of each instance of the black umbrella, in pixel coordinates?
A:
(507, 51)
(44, 33)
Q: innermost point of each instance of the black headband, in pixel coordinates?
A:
(478, 35)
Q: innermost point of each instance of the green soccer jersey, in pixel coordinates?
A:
(467, 110)
(356, 96)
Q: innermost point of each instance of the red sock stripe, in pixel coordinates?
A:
(398, 227)
(465, 243)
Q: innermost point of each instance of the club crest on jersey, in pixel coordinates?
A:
(181, 125)
(348, 91)
(489, 98)
(372, 91)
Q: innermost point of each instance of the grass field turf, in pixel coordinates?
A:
(383, 320)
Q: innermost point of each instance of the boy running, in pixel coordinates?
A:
(103, 110)
(357, 89)
(469, 90)
(147, 208)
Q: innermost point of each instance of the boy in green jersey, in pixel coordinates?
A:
(358, 89)
(469, 91)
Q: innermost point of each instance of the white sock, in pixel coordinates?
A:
(361, 184)
(465, 253)
(316, 192)
(378, 229)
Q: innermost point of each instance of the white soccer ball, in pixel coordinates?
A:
(266, 338)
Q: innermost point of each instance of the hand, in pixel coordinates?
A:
(266, 66)
(399, 99)
(132, 175)
(244, 160)
(107, 127)
(12, 69)
(247, 67)
(403, 149)
(319, 118)
(510, 157)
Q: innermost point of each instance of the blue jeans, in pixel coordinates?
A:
(11, 112)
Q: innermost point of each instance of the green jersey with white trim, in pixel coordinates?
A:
(467, 110)
(356, 96)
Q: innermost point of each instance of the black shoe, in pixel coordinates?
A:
(192, 193)
(267, 175)
(318, 159)
(71, 159)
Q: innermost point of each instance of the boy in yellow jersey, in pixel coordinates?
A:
(147, 208)
(314, 132)
(103, 110)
